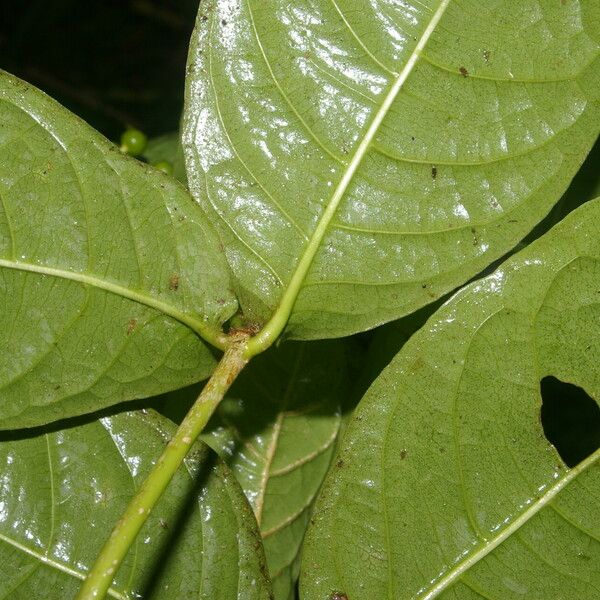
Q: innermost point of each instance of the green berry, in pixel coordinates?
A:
(164, 166)
(133, 142)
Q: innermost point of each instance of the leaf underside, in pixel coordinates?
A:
(63, 490)
(492, 121)
(446, 485)
(108, 270)
(277, 430)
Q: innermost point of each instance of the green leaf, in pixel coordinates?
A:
(108, 270)
(448, 487)
(585, 186)
(167, 148)
(388, 339)
(62, 490)
(360, 159)
(385, 343)
(277, 430)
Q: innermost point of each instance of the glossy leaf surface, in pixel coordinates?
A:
(62, 491)
(277, 430)
(406, 144)
(447, 486)
(108, 270)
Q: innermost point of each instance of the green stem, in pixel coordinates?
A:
(109, 560)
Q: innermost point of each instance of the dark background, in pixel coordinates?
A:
(113, 62)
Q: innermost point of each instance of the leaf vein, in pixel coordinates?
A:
(361, 43)
(208, 332)
(239, 157)
(54, 564)
(285, 97)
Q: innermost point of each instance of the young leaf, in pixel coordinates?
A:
(360, 159)
(448, 486)
(63, 489)
(108, 270)
(277, 430)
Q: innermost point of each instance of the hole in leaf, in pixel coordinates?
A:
(571, 420)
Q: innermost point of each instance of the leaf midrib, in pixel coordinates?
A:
(208, 333)
(462, 567)
(279, 319)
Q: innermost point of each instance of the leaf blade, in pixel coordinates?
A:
(453, 575)
(280, 99)
(277, 430)
(448, 480)
(53, 544)
(101, 258)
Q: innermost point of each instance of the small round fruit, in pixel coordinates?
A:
(133, 142)
(164, 166)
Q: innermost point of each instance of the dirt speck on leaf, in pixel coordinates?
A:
(418, 364)
(131, 326)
